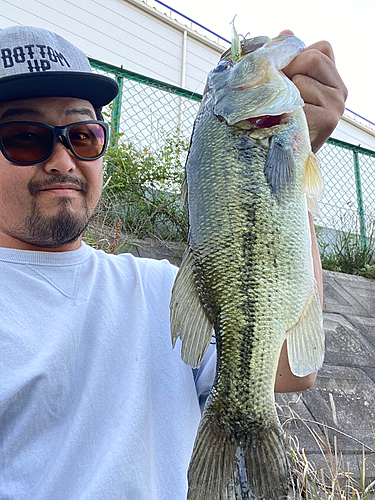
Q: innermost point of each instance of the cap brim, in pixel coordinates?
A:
(97, 89)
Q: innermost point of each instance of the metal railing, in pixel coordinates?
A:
(192, 21)
(147, 112)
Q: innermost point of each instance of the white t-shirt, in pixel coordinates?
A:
(94, 402)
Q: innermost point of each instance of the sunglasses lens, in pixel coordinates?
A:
(87, 139)
(26, 143)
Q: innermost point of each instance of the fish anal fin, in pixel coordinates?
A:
(189, 321)
(305, 340)
(225, 467)
(279, 166)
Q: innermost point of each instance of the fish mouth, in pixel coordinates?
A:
(266, 121)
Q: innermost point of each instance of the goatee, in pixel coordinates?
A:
(65, 226)
(52, 231)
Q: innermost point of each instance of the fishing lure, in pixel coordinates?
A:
(236, 44)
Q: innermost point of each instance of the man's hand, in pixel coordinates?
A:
(315, 75)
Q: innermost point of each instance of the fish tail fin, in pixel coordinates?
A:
(224, 467)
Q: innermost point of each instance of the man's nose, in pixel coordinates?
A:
(61, 160)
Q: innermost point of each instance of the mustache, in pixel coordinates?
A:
(35, 186)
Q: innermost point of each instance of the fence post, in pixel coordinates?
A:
(360, 208)
(116, 110)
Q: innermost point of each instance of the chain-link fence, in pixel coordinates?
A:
(349, 200)
(148, 112)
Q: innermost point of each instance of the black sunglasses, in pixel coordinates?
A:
(26, 143)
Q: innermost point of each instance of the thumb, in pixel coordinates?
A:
(286, 32)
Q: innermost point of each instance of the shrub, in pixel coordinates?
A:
(142, 190)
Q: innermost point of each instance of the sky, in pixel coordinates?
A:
(349, 25)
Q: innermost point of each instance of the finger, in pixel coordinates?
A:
(316, 65)
(312, 63)
(324, 47)
(286, 32)
(318, 94)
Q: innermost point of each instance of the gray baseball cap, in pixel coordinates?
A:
(38, 63)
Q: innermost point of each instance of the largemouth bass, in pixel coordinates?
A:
(248, 271)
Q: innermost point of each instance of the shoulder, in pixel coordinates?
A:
(148, 271)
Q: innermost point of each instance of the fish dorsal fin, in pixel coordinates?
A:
(313, 183)
(279, 167)
(188, 318)
(305, 340)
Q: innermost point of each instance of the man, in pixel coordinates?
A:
(94, 403)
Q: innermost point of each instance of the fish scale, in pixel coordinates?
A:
(248, 271)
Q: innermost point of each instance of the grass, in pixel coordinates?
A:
(332, 478)
(107, 238)
(349, 253)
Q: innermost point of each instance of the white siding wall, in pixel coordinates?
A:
(121, 32)
(355, 133)
(199, 61)
(132, 34)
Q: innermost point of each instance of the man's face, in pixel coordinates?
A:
(46, 206)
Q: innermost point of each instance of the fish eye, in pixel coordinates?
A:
(221, 68)
(223, 65)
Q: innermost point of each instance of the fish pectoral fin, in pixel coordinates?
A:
(305, 340)
(188, 318)
(313, 183)
(279, 167)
